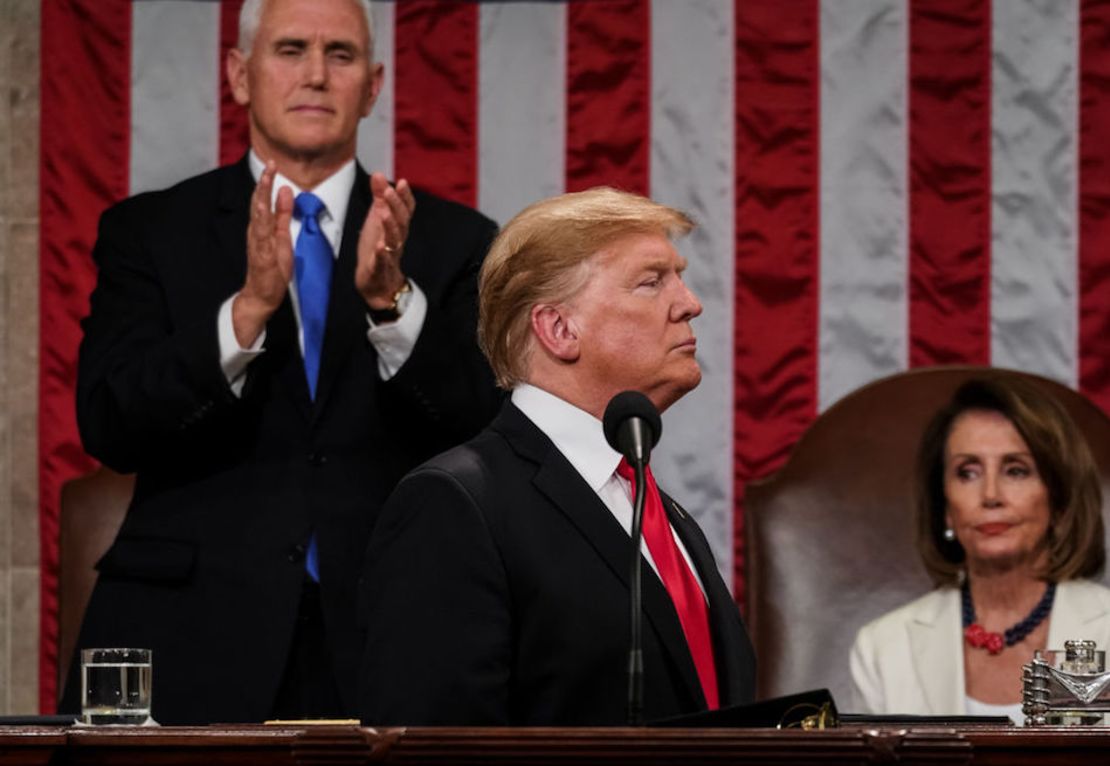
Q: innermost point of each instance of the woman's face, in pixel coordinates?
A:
(996, 501)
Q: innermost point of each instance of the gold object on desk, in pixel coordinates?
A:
(819, 717)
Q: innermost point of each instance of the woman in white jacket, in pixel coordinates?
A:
(1009, 527)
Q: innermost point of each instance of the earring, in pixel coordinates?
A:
(949, 534)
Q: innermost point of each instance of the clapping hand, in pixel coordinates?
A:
(378, 276)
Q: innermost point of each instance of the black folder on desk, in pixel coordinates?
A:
(953, 721)
(779, 712)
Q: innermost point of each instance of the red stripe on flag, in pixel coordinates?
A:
(777, 217)
(234, 133)
(83, 167)
(435, 97)
(608, 95)
(1094, 201)
(950, 182)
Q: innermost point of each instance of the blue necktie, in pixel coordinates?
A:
(313, 261)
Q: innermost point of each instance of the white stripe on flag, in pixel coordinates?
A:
(692, 165)
(375, 133)
(175, 76)
(1034, 110)
(864, 208)
(521, 105)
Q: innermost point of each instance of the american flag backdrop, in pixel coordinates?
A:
(880, 184)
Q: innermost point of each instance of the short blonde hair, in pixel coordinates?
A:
(541, 257)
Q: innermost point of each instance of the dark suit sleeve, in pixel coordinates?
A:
(446, 384)
(146, 379)
(435, 606)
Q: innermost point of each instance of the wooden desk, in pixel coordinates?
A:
(339, 745)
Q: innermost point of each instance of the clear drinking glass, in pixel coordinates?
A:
(115, 686)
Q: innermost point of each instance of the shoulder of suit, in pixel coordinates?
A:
(461, 461)
(205, 186)
(448, 212)
(925, 608)
(471, 464)
(1087, 587)
(1083, 594)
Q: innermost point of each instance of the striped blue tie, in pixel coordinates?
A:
(313, 261)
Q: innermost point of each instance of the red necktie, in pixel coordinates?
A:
(679, 581)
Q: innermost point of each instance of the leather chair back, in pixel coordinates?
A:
(830, 536)
(92, 510)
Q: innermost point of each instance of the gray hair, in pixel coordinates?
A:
(251, 15)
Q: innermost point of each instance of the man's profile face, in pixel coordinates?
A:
(633, 321)
(307, 81)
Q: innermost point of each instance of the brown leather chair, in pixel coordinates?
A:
(830, 536)
(92, 510)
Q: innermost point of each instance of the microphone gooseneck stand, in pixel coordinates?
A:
(632, 427)
(636, 612)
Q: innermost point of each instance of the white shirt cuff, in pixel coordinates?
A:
(233, 359)
(394, 341)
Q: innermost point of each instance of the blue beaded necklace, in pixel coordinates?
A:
(980, 638)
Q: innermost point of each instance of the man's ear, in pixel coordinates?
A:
(555, 332)
(237, 80)
(373, 88)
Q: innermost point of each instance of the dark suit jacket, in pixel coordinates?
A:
(495, 593)
(209, 564)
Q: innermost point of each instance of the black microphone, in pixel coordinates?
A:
(632, 427)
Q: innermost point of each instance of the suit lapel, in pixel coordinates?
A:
(231, 222)
(935, 635)
(567, 490)
(723, 617)
(346, 324)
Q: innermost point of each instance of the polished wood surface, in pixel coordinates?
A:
(339, 745)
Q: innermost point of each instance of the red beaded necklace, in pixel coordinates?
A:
(979, 637)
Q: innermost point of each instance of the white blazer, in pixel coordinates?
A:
(911, 660)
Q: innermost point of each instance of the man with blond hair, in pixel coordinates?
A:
(495, 590)
(271, 346)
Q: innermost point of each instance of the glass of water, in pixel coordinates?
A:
(115, 686)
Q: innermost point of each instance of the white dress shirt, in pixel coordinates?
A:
(579, 436)
(394, 341)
